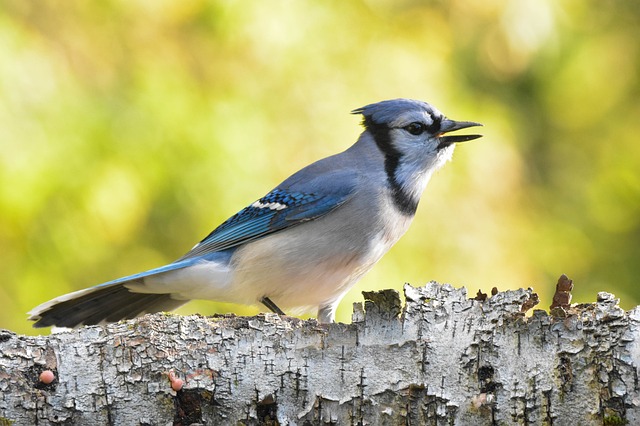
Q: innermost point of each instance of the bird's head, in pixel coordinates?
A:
(413, 137)
(413, 129)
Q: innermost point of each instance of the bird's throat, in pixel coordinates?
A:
(404, 197)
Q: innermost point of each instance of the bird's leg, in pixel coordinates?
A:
(272, 306)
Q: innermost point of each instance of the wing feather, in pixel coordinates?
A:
(278, 210)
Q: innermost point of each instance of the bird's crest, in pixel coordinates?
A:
(387, 111)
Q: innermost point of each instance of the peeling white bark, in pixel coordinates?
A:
(443, 359)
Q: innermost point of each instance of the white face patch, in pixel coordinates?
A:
(420, 116)
(270, 206)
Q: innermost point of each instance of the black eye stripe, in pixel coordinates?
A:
(436, 125)
(417, 128)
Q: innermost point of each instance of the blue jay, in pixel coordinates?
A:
(305, 243)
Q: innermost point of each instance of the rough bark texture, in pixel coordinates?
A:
(442, 359)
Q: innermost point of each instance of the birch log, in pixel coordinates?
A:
(442, 359)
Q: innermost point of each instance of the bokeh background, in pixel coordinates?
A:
(129, 129)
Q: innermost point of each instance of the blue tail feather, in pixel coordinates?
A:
(107, 302)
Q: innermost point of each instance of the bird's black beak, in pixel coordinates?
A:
(449, 126)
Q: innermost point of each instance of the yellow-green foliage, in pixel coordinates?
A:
(129, 129)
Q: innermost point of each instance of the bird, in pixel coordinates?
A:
(304, 244)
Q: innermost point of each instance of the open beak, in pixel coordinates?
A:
(449, 126)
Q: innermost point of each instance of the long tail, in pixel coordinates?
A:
(108, 302)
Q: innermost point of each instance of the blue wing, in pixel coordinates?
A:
(277, 210)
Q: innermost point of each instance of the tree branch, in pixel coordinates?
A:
(442, 359)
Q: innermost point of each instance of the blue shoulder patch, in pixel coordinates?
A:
(275, 211)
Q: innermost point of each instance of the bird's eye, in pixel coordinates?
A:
(415, 128)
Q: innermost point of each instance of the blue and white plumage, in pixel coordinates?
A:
(305, 243)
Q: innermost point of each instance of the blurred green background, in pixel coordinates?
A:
(129, 129)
